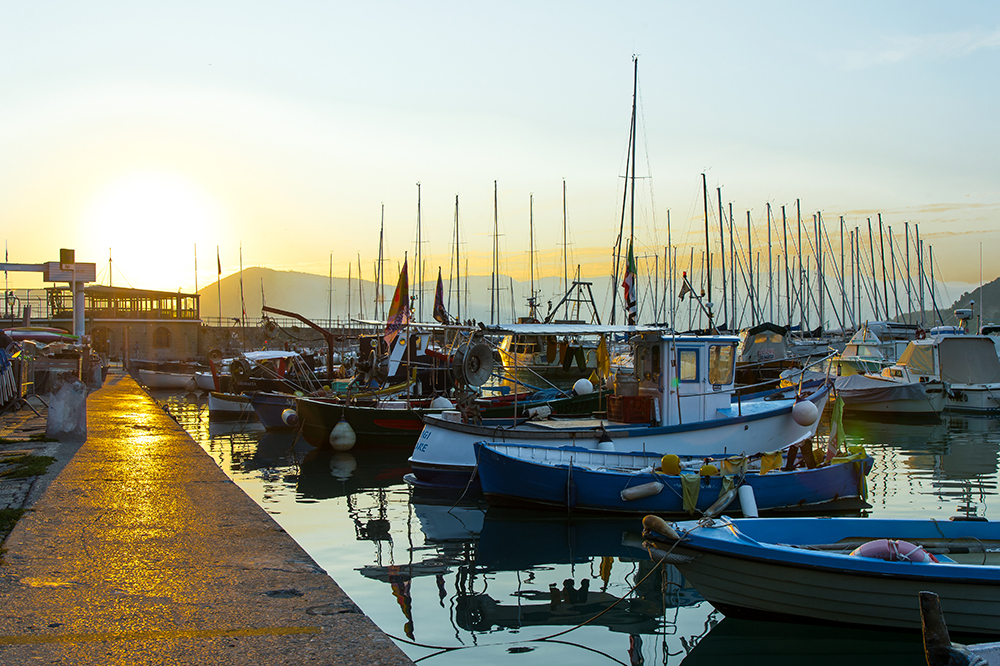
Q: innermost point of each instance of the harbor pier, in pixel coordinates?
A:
(139, 549)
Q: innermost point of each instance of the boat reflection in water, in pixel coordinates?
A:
(454, 583)
(466, 547)
(759, 643)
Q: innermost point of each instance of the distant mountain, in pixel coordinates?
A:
(988, 297)
(310, 296)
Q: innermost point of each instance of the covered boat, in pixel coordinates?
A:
(873, 394)
(576, 479)
(967, 365)
(858, 571)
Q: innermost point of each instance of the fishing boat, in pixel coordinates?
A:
(877, 395)
(158, 379)
(226, 406)
(965, 366)
(577, 479)
(683, 402)
(855, 571)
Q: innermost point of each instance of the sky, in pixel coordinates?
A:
(149, 134)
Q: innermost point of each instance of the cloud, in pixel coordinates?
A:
(940, 46)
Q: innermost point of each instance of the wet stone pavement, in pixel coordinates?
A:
(137, 549)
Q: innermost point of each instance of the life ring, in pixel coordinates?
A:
(893, 550)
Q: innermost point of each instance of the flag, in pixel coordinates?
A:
(685, 288)
(218, 260)
(603, 359)
(399, 311)
(629, 285)
(440, 314)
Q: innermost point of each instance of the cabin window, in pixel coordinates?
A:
(687, 365)
(776, 337)
(161, 338)
(760, 339)
(720, 364)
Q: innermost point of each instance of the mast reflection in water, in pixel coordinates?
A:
(455, 583)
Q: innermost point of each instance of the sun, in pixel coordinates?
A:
(150, 221)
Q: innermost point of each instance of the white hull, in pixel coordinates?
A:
(228, 405)
(979, 398)
(156, 379)
(446, 447)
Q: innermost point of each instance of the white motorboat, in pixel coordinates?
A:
(966, 366)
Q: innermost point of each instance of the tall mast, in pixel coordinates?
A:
(708, 253)
(379, 277)
(784, 252)
(565, 258)
(722, 255)
(843, 275)
(820, 278)
(909, 284)
(531, 256)
(770, 268)
(753, 308)
(802, 286)
(892, 256)
(732, 268)
(885, 286)
(329, 312)
(920, 274)
(458, 271)
(420, 266)
(495, 278)
(871, 248)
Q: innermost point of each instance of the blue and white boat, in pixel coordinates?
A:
(856, 571)
(577, 479)
(684, 402)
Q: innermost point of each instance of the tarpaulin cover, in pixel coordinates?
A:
(969, 360)
(919, 358)
(856, 389)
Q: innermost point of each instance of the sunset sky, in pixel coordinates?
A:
(139, 130)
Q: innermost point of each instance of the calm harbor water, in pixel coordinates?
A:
(460, 584)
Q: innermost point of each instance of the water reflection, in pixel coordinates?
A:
(456, 583)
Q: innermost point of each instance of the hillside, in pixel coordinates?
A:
(309, 295)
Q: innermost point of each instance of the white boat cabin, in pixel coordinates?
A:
(963, 360)
(690, 378)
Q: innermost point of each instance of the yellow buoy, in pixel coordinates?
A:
(709, 470)
(670, 464)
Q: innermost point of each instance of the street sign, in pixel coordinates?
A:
(55, 271)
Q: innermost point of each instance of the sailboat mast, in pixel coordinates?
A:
(708, 255)
(458, 271)
(722, 256)
(494, 278)
(770, 269)
(784, 252)
(881, 252)
(420, 267)
(531, 257)
(565, 259)
(379, 277)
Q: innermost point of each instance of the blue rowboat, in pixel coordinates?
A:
(854, 571)
(582, 479)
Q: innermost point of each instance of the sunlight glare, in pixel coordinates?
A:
(150, 221)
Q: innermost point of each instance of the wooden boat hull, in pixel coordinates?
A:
(222, 406)
(768, 570)
(445, 454)
(380, 426)
(270, 406)
(156, 379)
(547, 477)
